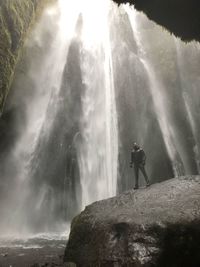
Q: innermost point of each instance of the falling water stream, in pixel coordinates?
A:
(159, 96)
(90, 136)
(93, 79)
(189, 90)
(98, 151)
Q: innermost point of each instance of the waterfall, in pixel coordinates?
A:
(158, 89)
(70, 134)
(98, 150)
(189, 91)
(158, 95)
(35, 90)
(93, 79)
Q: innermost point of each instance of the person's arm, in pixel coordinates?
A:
(132, 159)
(143, 158)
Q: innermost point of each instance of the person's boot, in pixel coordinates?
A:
(148, 183)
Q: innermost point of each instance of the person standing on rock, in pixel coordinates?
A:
(138, 158)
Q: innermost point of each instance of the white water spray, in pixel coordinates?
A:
(75, 72)
(98, 150)
(188, 86)
(44, 77)
(159, 98)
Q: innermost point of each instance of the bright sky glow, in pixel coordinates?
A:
(94, 13)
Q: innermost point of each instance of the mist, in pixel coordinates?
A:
(93, 79)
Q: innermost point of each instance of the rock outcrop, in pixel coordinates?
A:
(180, 17)
(16, 16)
(157, 226)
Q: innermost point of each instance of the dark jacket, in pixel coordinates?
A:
(138, 157)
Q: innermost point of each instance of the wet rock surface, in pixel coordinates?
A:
(32, 253)
(155, 226)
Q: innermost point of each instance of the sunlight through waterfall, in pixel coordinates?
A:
(159, 98)
(93, 78)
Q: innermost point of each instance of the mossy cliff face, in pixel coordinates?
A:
(16, 17)
(178, 16)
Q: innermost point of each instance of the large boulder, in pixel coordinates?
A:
(154, 226)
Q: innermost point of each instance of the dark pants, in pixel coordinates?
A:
(140, 167)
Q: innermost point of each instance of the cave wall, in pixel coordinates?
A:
(16, 17)
(179, 17)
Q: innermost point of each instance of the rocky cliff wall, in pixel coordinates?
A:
(16, 17)
(179, 17)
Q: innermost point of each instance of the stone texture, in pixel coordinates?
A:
(156, 226)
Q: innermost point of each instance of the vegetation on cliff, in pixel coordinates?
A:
(16, 17)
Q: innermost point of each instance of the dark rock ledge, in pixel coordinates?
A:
(157, 226)
(180, 17)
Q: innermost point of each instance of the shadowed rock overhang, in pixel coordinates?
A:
(180, 17)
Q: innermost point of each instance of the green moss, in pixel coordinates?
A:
(16, 18)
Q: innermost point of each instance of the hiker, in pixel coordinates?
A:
(138, 158)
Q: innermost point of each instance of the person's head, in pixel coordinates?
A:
(136, 146)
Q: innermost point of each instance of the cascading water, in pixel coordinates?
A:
(190, 88)
(159, 98)
(94, 78)
(70, 121)
(98, 150)
(36, 89)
